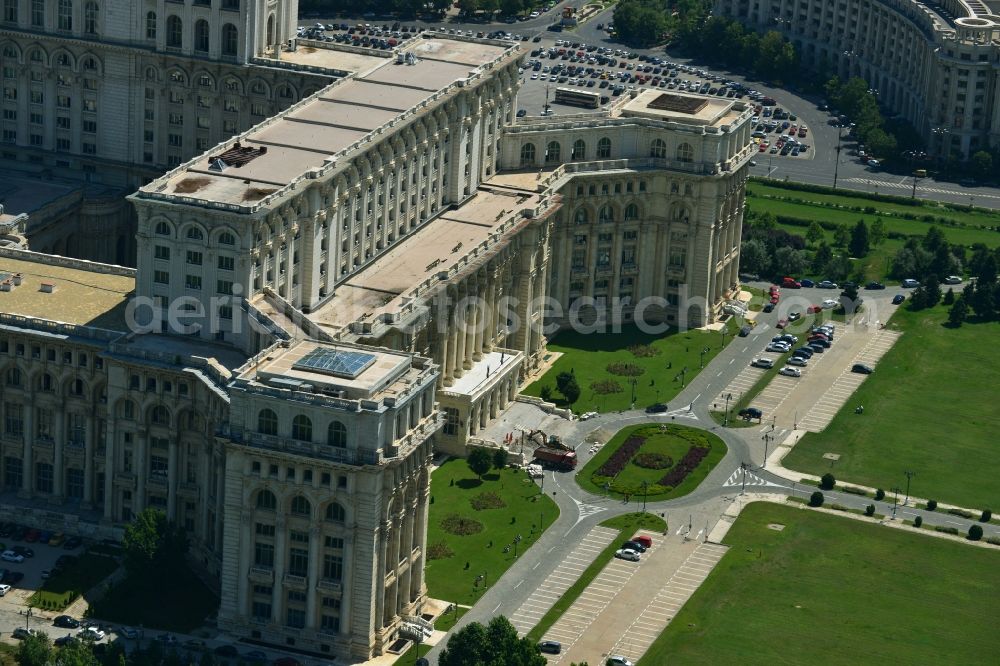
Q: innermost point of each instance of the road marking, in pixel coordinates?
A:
(731, 361)
(720, 373)
(518, 584)
(746, 348)
(498, 607)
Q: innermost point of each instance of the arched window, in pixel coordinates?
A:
(14, 377)
(302, 428)
(553, 152)
(45, 382)
(194, 233)
(267, 422)
(175, 32)
(90, 18)
(230, 39)
(301, 507)
(604, 148)
(201, 36)
(160, 415)
(658, 148)
(579, 149)
(631, 212)
(65, 16)
(685, 153)
(150, 25)
(226, 238)
(336, 435)
(606, 215)
(335, 513)
(527, 154)
(581, 216)
(266, 501)
(162, 229)
(89, 64)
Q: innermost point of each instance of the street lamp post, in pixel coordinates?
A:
(517, 540)
(725, 422)
(895, 501)
(645, 484)
(836, 166)
(766, 438)
(701, 361)
(744, 466)
(724, 329)
(909, 475)
(27, 616)
(683, 374)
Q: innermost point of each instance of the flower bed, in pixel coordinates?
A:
(653, 461)
(687, 464)
(616, 463)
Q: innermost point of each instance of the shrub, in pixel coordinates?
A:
(975, 533)
(987, 515)
(855, 491)
(879, 494)
(931, 505)
(616, 463)
(838, 507)
(687, 464)
(653, 460)
(827, 481)
(460, 525)
(961, 512)
(816, 499)
(870, 510)
(625, 369)
(546, 393)
(644, 351)
(946, 530)
(439, 551)
(918, 521)
(487, 501)
(606, 387)
(994, 540)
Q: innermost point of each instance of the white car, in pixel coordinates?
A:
(618, 660)
(798, 360)
(789, 371)
(762, 363)
(627, 554)
(91, 634)
(952, 279)
(777, 347)
(587, 415)
(4, 589)
(829, 304)
(11, 556)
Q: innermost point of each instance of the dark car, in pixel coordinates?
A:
(817, 347)
(13, 577)
(255, 656)
(66, 621)
(72, 542)
(807, 283)
(822, 342)
(769, 307)
(550, 647)
(745, 331)
(521, 113)
(862, 369)
(898, 298)
(657, 408)
(23, 550)
(227, 651)
(874, 285)
(64, 641)
(804, 351)
(633, 545)
(751, 413)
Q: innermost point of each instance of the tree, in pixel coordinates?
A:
(815, 233)
(838, 268)
(816, 499)
(790, 261)
(983, 302)
(849, 300)
(982, 164)
(933, 239)
(870, 510)
(879, 494)
(754, 257)
(931, 505)
(986, 516)
(35, 650)
(827, 481)
(932, 290)
(859, 240)
(975, 533)
(949, 297)
(495, 644)
(822, 257)
(153, 544)
(562, 379)
(546, 393)
(877, 232)
(571, 391)
(841, 236)
(959, 312)
(918, 521)
(499, 458)
(76, 654)
(480, 461)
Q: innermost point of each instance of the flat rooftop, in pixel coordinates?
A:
(339, 119)
(360, 372)
(681, 108)
(437, 247)
(308, 55)
(228, 357)
(78, 296)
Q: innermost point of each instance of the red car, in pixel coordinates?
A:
(31, 536)
(782, 323)
(644, 540)
(813, 309)
(790, 283)
(774, 299)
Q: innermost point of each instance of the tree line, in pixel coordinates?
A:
(646, 22)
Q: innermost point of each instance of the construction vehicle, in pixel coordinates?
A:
(556, 458)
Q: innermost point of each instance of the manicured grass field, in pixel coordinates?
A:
(588, 356)
(930, 407)
(453, 486)
(627, 525)
(831, 590)
(667, 439)
(180, 603)
(62, 588)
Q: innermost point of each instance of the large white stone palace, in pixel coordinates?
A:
(355, 279)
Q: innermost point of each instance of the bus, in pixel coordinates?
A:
(584, 98)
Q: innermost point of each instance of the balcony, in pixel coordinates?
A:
(261, 574)
(293, 581)
(328, 585)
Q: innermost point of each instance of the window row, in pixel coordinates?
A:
(300, 507)
(553, 151)
(200, 38)
(64, 15)
(302, 428)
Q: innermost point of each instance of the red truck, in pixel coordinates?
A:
(557, 458)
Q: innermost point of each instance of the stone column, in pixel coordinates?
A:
(278, 593)
(459, 320)
(313, 577)
(381, 566)
(28, 466)
(172, 479)
(245, 561)
(142, 470)
(109, 469)
(404, 585)
(442, 337)
(88, 461)
(58, 477)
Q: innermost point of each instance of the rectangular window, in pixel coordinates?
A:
(175, 140)
(226, 263)
(263, 554)
(161, 277)
(295, 618)
(62, 123)
(13, 476)
(74, 483)
(90, 105)
(298, 562)
(204, 122)
(161, 252)
(261, 611)
(333, 567)
(38, 13)
(175, 118)
(330, 624)
(257, 110)
(62, 144)
(194, 258)
(265, 530)
(225, 287)
(158, 466)
(192, 282)
(13, 422)
(296, 536)
(43, 477)
(37, 97)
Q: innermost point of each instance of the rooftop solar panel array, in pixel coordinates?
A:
(336, 362)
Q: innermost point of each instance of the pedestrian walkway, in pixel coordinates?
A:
(561, 578)
(739, 385)
(736, 480)
(668, 601)
(833, 399)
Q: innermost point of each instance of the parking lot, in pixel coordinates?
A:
(740, 384)
(561, 578)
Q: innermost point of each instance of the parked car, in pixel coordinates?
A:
(72, 542)
(633, 545)
(790, 283)
(952, 279)
(800, 361)
(874, 285)
(587, 416)
(806, 352)
(168, 639)
(789, 371)
(794, 316)
(618, 660)
(13, 577)
(769, 307)
(4, 589)
(11, 556)
(66, 640)
(830, 303)
(21, 633)
(762, 363)
(777, 347)
(91, 634)
(745, 330)
(751, 413)
(862, 369)
(816, 347)
(647, 542)
(910, 283)
(898, 298)
(128, 632)
(550, 647)
(226, 651)
(23, 550)
(66, 621)
(806, 282)
(782, 323)
(826, 284)
(255, 656)
(56, 539)
(627, 554)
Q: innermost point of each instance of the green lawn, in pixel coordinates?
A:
(453, 486)
(627, 525)
(62, 588)
(180, 602)
(930, 408)
(667, 439)
(588, 356)
(832, 590)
